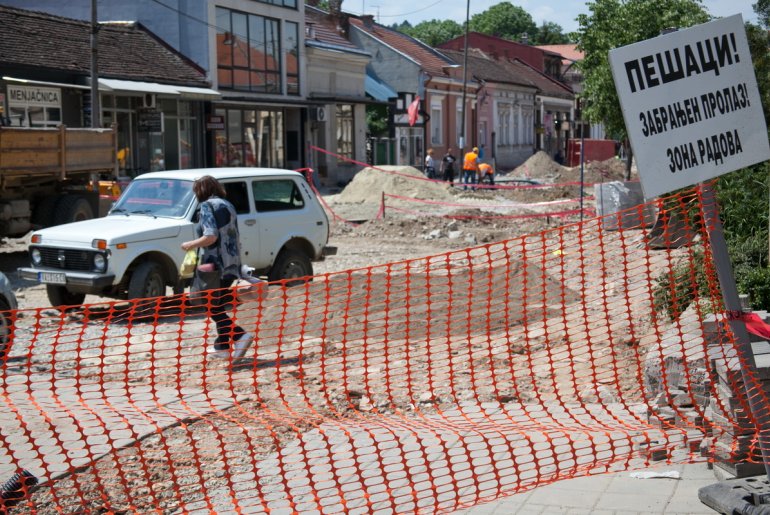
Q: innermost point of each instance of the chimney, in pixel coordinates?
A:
(335, 7)
(310, 30)
(368, 20)
(524, 38)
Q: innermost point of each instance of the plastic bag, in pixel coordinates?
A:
(250, 289)
(189, 262)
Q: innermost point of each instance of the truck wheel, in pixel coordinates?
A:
(147, 281)
(60, 296)
(73, 208)
(290, 264)
(6, 329)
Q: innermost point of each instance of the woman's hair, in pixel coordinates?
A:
(207, 187)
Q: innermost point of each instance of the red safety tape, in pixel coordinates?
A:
(490, 206)
(558, 214)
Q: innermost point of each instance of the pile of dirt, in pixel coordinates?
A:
(540, 167)
(612, 169)
(368, 185)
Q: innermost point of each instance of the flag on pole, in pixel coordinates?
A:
(413, 110)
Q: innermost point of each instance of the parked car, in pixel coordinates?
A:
(134, 252)
(7, 304)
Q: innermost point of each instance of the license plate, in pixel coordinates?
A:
(52, 277)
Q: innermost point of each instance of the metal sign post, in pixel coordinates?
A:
(760, 411)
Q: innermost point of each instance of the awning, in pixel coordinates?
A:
(154, 87)
(378, 90)
(45, 83)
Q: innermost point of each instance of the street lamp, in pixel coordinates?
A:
(465, 77)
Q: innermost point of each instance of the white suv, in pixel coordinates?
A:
(134, 252)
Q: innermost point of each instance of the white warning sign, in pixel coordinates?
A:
(691, 105)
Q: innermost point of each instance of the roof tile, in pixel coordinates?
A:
(127, 51)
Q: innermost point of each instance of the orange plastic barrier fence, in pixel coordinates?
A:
(420, 386)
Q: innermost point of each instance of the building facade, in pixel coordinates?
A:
(153, 95)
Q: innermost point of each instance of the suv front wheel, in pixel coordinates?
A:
(147, 281)
(291, 264)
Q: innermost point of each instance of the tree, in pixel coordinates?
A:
(615, 23)
(550, 33)
(743, 195)
(504, 20)
(434, 32)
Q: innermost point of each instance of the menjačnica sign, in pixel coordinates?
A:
(691, 105)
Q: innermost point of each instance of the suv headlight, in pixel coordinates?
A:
(100, 262)
(37, 258)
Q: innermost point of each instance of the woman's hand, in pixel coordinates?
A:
(187, 245)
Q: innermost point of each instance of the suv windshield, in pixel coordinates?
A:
(155, 197)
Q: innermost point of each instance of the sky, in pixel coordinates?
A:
(562, 12)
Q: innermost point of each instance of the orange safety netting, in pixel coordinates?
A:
(419, 386)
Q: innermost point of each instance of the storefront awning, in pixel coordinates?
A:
(154, 87)
(45, 83)
(378, 90)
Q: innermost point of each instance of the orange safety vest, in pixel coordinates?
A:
(471, 161)
(486, 169)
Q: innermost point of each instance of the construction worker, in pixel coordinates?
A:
(486, 171)
(470, 168)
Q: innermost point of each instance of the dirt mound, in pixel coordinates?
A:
(368, 185)
(539, 166)
(612, 169)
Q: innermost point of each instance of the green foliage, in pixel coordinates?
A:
(434, 32)
(762, 8)
(756, 282)
(615, 23)
(377, 120)
(550, 33)
(504, 20)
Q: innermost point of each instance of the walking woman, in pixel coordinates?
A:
(219, 239)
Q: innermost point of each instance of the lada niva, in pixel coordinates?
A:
(134, 251)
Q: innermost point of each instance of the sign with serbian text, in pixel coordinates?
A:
(691, 105)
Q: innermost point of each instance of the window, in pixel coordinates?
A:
(436, 135)
(459, 121)
(248, 52)
(504, 122)
(291, 47)
(238, 196)
(516, 135)
(345, 130)
(277, 195)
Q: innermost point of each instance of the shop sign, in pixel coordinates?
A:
(215, 123)
(33, 96)
(150, 120)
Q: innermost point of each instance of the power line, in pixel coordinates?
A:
(413, 12)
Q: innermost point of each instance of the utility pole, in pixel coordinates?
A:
(465, 77)
(95, 104)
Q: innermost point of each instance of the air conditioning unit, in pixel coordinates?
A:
(318, 114)
(148, 101)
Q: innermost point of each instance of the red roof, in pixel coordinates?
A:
(429, 59)
(569, 52)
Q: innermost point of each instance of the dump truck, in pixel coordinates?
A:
(53, 176)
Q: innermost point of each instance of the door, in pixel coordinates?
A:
(248, 224)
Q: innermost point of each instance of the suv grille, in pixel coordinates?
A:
(67, 259)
